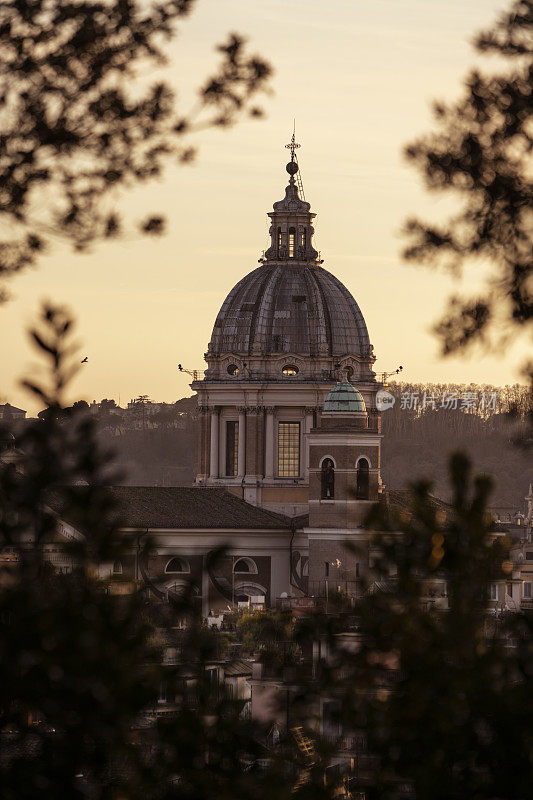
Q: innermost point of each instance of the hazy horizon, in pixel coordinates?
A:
(359, 83)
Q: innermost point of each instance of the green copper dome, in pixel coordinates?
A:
(344, 397)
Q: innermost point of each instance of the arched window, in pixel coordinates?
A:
(303, 239)
(328, 479)
(279, 240)
(117, 567)
(245, 566)
(177, 565)
(290, 370)
(292, 238)
(363, 483)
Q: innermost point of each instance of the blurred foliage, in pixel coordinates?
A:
(438, 700)
(80, 668)
(441, 698)
(481, 154)
(74, 662)
(80, 121)
(264, 628)
(268, 636)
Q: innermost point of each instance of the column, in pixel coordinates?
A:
(241, 454)
(202, 413)
(251, 442)
(213, 471)
(269, 444)
(222, 444)
(308, 424)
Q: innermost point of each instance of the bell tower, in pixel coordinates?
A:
(344, 482)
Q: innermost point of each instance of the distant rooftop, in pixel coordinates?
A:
(6, 409)
(183, 507)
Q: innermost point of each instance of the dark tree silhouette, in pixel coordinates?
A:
(439, 687)
(79, 664)
(79, 122)
(481, 153)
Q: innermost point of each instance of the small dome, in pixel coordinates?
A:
(344, 397)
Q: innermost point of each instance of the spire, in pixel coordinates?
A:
(291, 230)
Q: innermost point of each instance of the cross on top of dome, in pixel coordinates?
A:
(292, 146)
(292, 167)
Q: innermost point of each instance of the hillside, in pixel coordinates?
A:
(161, 449)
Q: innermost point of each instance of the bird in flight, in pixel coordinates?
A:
(84, 361)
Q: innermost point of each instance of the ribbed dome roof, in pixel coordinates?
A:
(278, 308)
(344, 397)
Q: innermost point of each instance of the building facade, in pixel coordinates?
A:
(284, 335)
(289, 456)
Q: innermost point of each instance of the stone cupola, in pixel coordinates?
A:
(291, 230)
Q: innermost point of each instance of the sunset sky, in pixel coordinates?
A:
(358, 76)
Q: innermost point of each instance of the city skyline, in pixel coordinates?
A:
(143, 305)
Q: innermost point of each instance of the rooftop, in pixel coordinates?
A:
(183, 507)
(344, 397)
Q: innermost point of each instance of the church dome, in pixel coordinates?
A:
(290, 307)
(344, 397)
(285, 308)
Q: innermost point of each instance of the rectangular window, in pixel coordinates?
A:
(527, 590)
(288, 449)
(292, 237)
(494, 591)
(326, 568)
(232, 448)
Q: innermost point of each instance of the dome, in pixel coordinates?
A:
(280, 308)
(344, 397)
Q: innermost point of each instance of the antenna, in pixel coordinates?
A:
(385, 375)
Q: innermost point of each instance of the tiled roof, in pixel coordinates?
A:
(238, 667)
(186, 507)
(400, 500)
(7, 407)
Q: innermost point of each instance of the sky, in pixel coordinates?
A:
(358, 76)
